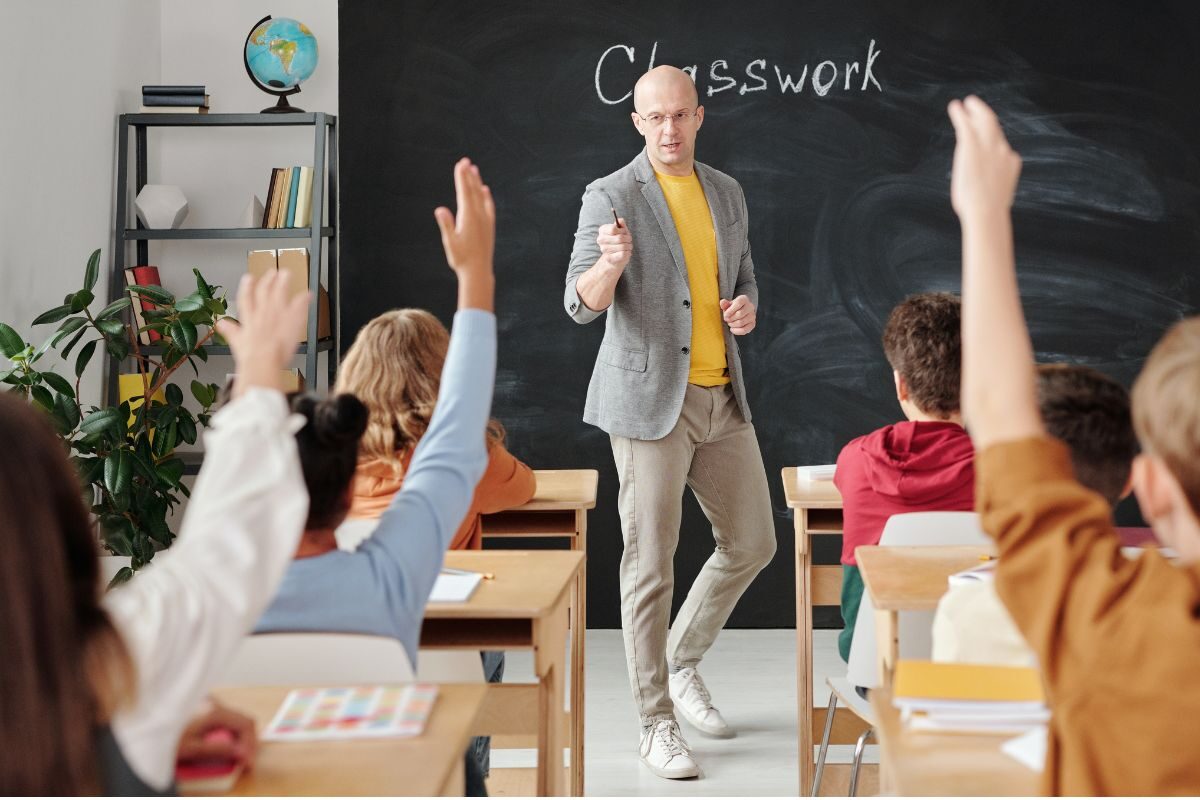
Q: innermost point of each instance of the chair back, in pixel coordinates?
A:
(317, 659)
(917, 529)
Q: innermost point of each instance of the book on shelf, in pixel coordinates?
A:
(270, 203)
(294, 261)
(304, 198)
(285, 192)
(144, 275)
(170, 100)
(159, 90)
(173, 110)
(293, 193)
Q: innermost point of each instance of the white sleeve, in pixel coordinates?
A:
(184, 615)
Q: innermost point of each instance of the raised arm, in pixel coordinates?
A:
(411, 539)
(998, 395)
(601, 252)
(184, 615)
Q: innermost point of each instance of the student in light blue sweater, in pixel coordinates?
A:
(383, 586)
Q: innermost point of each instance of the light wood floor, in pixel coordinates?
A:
(751, 675)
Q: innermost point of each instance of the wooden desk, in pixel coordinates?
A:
(920, 763)
(523, 608)
(559, 509)
(817, 506)
(909, 579)
(429, 764)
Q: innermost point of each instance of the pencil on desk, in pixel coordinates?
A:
(487, 576)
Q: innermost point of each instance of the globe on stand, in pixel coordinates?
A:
(280, 54)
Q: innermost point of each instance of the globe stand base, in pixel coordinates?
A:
(283, 106)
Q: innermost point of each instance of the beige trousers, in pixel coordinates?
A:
(713, 450)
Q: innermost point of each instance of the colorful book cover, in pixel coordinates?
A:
(356, 712)
(143, 276)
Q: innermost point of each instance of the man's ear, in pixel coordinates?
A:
(1152, 487)
(637, 122)
(901, 386)
(699, 116)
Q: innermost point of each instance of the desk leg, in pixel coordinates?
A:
(804, 687)
(578, 637)
(549, 653)
(887, 632)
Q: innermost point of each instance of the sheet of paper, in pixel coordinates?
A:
(1028, 748)
(449, 588)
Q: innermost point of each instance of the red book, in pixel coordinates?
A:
(143, 276)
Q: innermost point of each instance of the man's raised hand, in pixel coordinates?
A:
(616, 244)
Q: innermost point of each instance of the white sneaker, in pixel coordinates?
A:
(694, 703)
(664, 750)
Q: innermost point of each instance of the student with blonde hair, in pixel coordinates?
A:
(394, 368)
(1118, 640)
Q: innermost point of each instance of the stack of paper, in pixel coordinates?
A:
(817, 472)
(969, 698)
(984, 573)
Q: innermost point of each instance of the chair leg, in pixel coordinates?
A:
(816, 784)
(859, 747)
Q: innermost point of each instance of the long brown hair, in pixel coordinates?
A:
(63, 667)
(395, 368)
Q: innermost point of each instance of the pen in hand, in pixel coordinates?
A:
(616, 219)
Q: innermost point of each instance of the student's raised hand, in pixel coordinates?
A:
(986, 169)
(470, 238)
(739, 314)
(263, 339)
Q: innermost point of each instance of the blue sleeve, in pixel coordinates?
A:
(408, 545)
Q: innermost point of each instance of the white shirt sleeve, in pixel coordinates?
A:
(183, 617)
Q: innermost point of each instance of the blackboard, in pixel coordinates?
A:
(846, 174)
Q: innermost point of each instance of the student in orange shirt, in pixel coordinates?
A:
(394, 368)
(1118, 640)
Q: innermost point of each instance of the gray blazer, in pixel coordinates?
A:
(641, 371)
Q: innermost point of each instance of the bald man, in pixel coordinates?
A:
(676, 278)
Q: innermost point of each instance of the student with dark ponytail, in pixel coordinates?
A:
(382, 587)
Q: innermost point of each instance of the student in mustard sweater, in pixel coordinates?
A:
(1118, 640)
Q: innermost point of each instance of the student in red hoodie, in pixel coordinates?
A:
(922, 464)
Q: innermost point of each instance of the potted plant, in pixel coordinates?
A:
(124, 455)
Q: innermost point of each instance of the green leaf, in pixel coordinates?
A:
(200, 392)
(118, 472)
(118, 534)
(123, 575)
(112, 327)
(10, 342)
(171, 471)
(187, 428)
(183, 333)
(155, 294)
(193, 302)
(217, 307)
(9, 376)
(81, 300)
(66, 351)
(85, 355)
(202, 287)
(101, 420)
(68, 409)
(165, 439)
(117, 348)
(58, 383)
(114, 308)
(67, 328)
(154, 314)
(174, 395)
(90, 470)
(92, 273)
(43, 397)
(53, 315)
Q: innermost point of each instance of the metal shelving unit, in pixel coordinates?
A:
(325, 161)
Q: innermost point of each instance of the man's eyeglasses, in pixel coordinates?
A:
(658, 120)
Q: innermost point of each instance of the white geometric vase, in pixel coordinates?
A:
(161, 206)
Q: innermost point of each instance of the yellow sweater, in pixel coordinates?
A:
(693, 222)
(1118, 640)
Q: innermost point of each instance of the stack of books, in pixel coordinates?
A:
(289, 198)
(174, 100)
(969, 698)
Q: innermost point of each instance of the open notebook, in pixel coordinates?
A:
(354, 712)
(455, 587)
